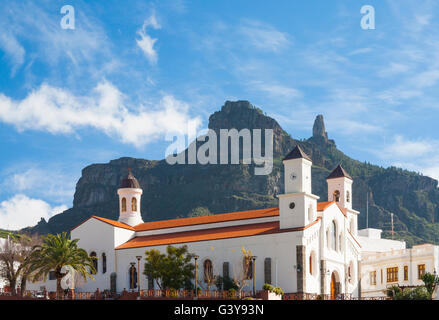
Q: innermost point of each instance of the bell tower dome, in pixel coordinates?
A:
(130, 195)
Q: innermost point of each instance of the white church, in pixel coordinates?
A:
(303, 246)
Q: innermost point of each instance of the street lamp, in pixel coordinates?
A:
(253, 271)
(132, 274)
(196, 286)
(138, 275)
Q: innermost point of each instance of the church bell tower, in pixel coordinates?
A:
(130, 195)
(297, 206)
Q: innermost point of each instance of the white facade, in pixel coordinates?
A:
(402, 267)
(302, 246)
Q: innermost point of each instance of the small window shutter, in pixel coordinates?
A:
(226, 270)
(267, 270)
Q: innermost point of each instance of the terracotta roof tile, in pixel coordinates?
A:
(109, 221)
(209, 234)
(321, 206)
(224, 217)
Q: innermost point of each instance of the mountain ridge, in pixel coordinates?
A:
(173, 191)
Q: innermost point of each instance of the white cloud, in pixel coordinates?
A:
(21, 211)
(392, 69)
(146, 43)
(263, 36)
(417, 155)
(402, 147)
(275, 90)
(13, 49)
(38, 182)
(58, 111)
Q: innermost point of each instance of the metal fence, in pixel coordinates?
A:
(172, 294)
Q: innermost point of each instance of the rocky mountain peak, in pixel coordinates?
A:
(318, 129)
(241, 114)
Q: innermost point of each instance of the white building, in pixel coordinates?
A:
(302, 246)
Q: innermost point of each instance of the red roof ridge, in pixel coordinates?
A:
(219, 233)
(321, 206)
(215, 218)
(109, 221)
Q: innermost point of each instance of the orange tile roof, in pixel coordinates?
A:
(209, 234)
(321, 206)
(109, 221)
(224, 217)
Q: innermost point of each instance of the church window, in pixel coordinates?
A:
(248, 268)
(52, 275)
(328, 239)
(406, 273)
(421, 270)
(340, 241)
(373, 278)
(392, 274)
(348, 196)
(124, 204)
(95, 261)
(226, 273)
(104, 263)
(334, 235)
(336, 196)
(208, 271)
(267, 270)
(134, 204)
(133, 277)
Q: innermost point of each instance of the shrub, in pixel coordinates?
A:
(276, 290)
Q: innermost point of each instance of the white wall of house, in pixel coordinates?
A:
(379, 262)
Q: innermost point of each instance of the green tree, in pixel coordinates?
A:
(54, 253)
(430, 282)
(418, 293)
(173, 270)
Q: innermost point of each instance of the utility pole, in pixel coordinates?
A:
(367, 210)
(391, 221)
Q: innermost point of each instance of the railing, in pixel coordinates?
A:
(171, 294)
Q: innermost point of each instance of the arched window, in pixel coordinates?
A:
(267, 270)
(312, 263)
(334, 235)
(208, 271)
(351, 272)
(336, 196)
(124, 205)
(133, 277)
(95, 261)
(134, 204)
(248, 268)
(328, 239)
(104, 263)
(348, 196)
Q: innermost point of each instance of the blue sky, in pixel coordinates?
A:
(131, 71)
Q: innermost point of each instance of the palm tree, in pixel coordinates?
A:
(58, 251)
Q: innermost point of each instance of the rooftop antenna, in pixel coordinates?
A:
(391, 221)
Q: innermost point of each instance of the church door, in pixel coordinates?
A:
(333, 287)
